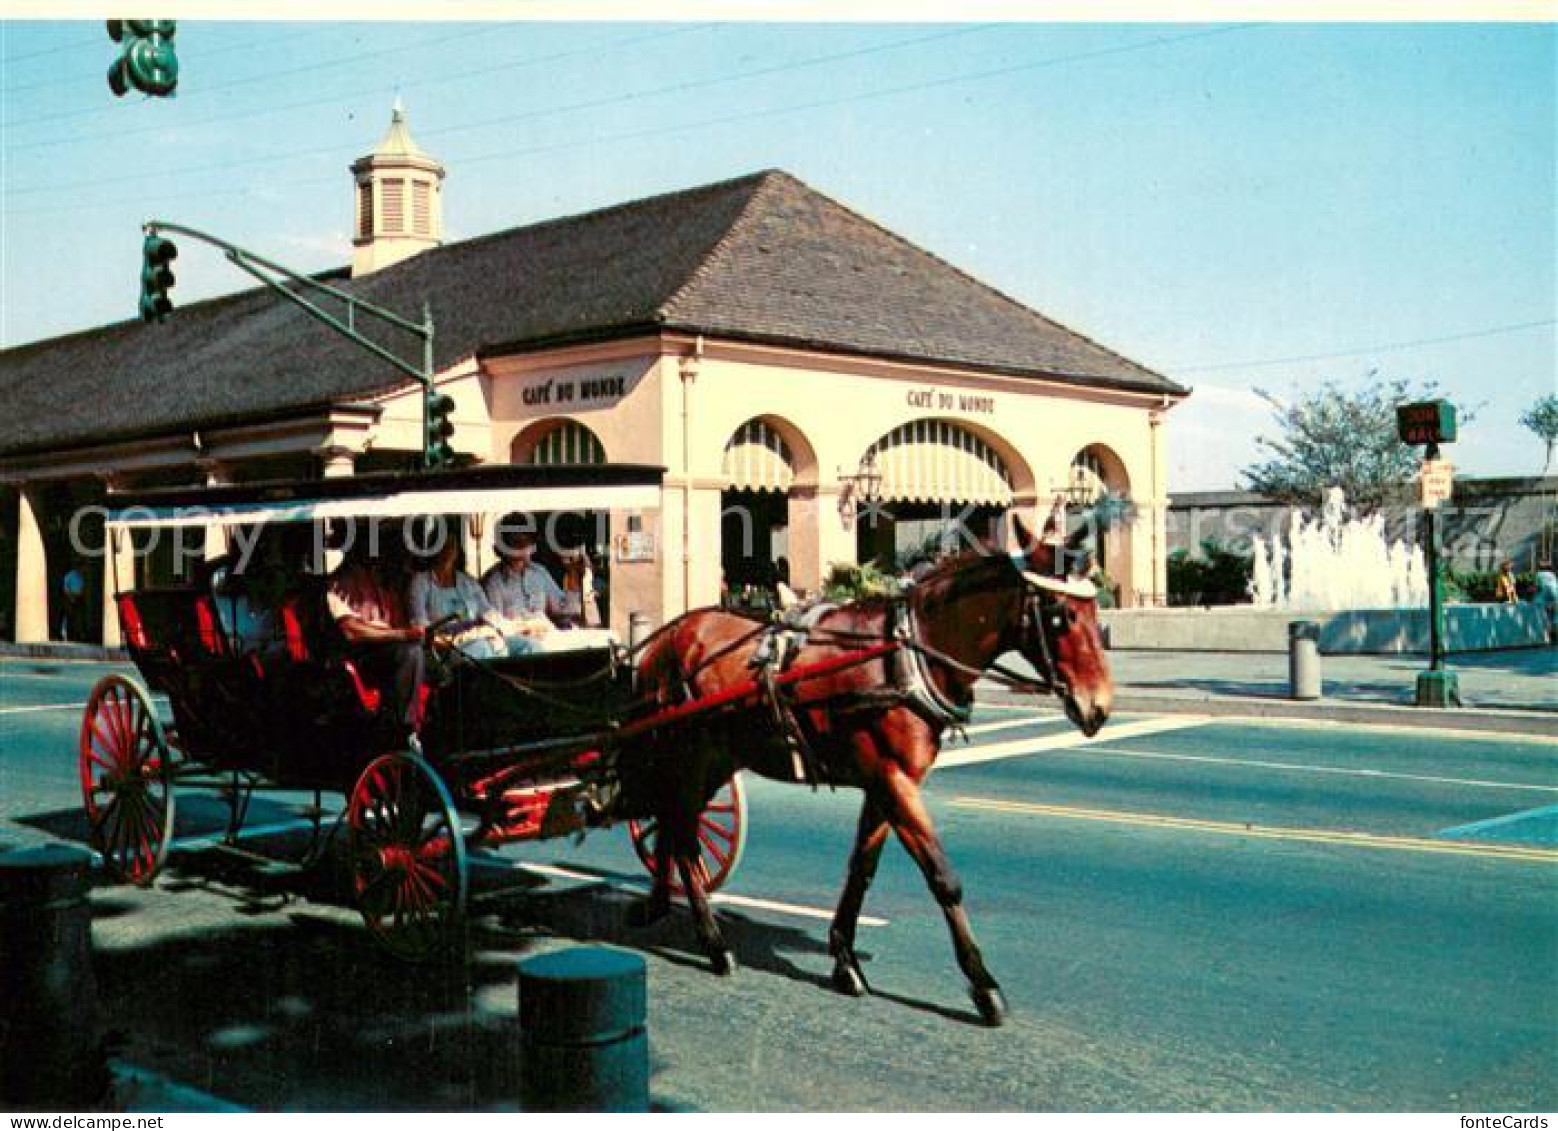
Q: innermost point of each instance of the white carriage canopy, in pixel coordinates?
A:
(489, 490)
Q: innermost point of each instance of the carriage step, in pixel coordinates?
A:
(540, 810)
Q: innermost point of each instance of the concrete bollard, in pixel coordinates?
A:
(50, 1052)
(583, 1042)
(1304, 659)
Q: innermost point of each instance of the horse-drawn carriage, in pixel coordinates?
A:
(553, 743)
(512, 749)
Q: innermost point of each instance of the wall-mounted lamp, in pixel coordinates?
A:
(865, 484)
(862, 488)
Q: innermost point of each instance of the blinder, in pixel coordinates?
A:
(1048, 619)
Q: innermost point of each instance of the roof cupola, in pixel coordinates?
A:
(399, 209)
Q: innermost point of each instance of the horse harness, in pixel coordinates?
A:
(910, 680)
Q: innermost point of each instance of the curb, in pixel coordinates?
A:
(1475, 720)
(55, 650)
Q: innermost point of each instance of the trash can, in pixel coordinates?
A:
(1304, 659)
(583, 1042)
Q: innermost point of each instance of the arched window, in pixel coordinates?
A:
(565, 442)
(1086, 482)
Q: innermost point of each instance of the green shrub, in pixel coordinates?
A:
(852, 582)
(1218, 577)
(1481, 585)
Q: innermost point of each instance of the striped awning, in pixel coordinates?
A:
(758, 459)
(939, 461)
(569, 442)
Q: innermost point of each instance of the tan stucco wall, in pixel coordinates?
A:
(681, 400)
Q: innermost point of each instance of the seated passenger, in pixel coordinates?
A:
(387, 648)
(445, 590)
(521, 590)
(533, 604)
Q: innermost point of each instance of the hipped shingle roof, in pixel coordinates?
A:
(763, 258)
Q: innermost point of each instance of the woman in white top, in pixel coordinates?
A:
(446, 590)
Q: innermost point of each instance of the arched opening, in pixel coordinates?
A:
(940, 483)
(557, 442)
(1100, 518)
(762, 463)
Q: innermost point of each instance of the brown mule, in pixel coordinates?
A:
(875, 725)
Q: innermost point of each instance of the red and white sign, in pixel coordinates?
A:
(1438, 481)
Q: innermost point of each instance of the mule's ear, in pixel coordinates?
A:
(1041, 549)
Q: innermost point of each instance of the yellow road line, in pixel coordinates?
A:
(1229, 828)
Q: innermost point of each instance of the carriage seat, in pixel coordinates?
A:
(176, 625)
(312, 638)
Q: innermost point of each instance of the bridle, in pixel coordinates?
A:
(1046, 617)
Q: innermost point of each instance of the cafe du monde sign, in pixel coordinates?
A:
(554, 392)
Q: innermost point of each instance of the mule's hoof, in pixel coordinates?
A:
(991, 1006)
(646, 913)
(848, 980)
(723, 963)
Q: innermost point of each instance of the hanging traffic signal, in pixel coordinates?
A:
(146, 60)
(437, 451)
(156, 278)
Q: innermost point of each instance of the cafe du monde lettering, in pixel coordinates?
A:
(950, 402)
(558, 391)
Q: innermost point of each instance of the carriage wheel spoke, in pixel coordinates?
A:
(714, 849)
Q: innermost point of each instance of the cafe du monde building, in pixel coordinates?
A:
(818, 389)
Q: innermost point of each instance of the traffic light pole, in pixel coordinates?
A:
(264, 270)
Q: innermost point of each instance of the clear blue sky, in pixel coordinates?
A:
(1209, 200)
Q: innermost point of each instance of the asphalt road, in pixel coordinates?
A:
(1185, 915)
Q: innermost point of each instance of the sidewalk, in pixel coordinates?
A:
(1515, 691)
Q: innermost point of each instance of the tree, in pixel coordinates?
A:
(1337, 437)
(1542, 418)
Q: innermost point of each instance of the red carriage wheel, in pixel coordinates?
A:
(126, 779)
(408, 856)
(722, 837)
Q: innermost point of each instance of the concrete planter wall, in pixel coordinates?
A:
(1469, 628)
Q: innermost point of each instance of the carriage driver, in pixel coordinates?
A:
(365, 598)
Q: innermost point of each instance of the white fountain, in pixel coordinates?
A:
(1334, 562)
(1368, 594)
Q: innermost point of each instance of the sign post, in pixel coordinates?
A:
(1432, 423)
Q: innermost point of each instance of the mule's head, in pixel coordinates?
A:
(1060, 634)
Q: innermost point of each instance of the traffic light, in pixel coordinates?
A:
(437, 451)
(156, 278)
(146, 60)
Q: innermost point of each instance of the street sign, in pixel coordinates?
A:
(1438, 481)
(1427, 422)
